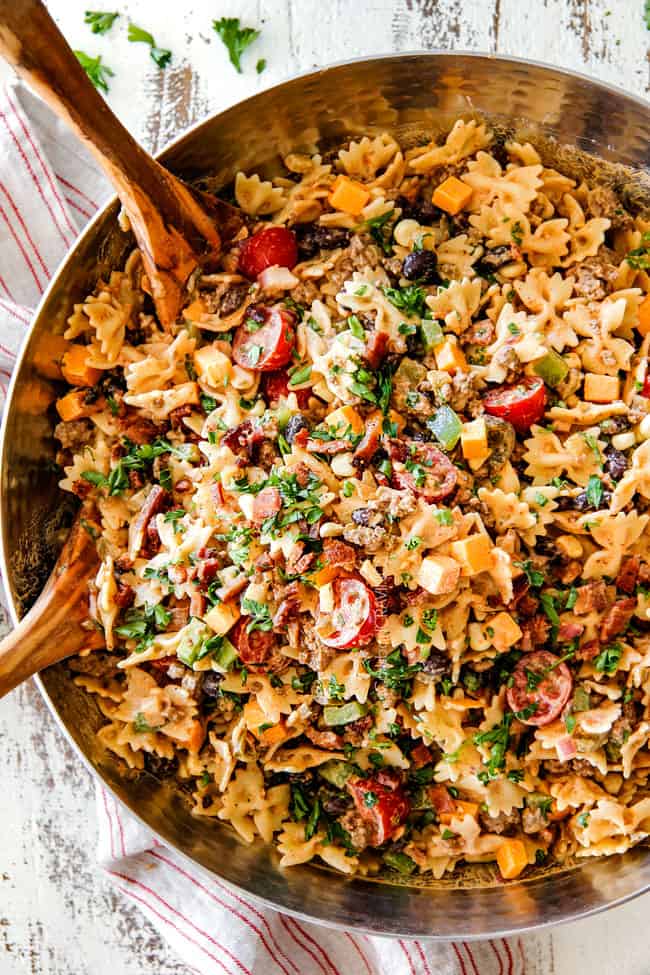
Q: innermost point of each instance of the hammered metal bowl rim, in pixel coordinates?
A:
(551, 70)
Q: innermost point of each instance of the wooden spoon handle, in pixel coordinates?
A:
(52, 630)
(171, 228)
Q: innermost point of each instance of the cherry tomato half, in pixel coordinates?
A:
(646, 386)
(268, 347)
(276, 386)
(353, 621)
(383, 805)
(254, 648)
(522, 404)
(541, 686)
(425, 471)
(271, 247)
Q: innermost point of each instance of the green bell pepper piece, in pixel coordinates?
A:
(446, 427)
(337, 773)
(551, 368)
(400, 862)
(431, 334)
(335, 714)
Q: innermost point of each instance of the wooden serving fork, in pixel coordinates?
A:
(177, 229)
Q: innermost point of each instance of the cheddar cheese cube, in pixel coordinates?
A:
(75, 368)
(344, 419)
(503, 631)
(473, 440)
(449, 356)
(474, 554)
(348, 195)
(438, 574)
(452, 195)
(49, 355)
(601, 389)
(72, 406)
(213, 366)
(461, 809)
(222, 617)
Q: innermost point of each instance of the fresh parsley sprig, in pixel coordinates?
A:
(96, 71)
(162, 56)
(236, 39)
(99, 21)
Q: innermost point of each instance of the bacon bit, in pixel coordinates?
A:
(528, 606)
(156, 500)
(81, 488)
(264, 562)
(197, 603)
(440, 799)
(123, 563)
(287, 608)
(591, 596)
(376, 348)
(207, 570)
(535, 632)
(138, 429)
(355, 732)
(617, 619)
(569, 631)
(369, 445)
(125, 595)
(644, 574)
(266, 504)
(301, 437)
(302, 473)
(390, 778)
(326, 446)
(339, 554)
(162, 663)
(420, 756)
(176, 416)
(398, 450)
(324, 739)
(183, 485)
(136, 480)
(180, 615)
(628, 574)
(570, 572)
(588, 650)
(242, 438)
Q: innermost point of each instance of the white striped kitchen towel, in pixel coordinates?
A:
(49, 187)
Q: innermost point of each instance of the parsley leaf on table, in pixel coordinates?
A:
(99, 21)
(160, 55)
(96, 71)
(235, 38)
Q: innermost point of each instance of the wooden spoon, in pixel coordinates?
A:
(177, 229)
(54, 627)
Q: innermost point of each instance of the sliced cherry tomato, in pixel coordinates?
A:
(646, 386)
(353, 621)
(271, 247)
(276, 386)
(381, 804)
(425, 471)
(254, 648)
(522, 404)
(268, 347)
(541, 686)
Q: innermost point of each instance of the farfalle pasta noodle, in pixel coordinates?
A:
(374, 577)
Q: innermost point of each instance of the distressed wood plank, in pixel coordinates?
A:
(58, 915)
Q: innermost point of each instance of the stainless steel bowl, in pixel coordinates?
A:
(585, 127)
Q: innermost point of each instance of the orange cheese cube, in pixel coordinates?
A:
(222, 617)
(452, 195)
(348, 195)
(213, 366)
(473, 440)
(643, 325)
(505, 631)
(75, 368)
(462, 809)
(393, 417)
(73, 407)
(195, 310)
(474, 554)
(449, 356)
(601, 389)
(49, 354)
(324, 575)
(438, 574)
(511, 858)
(345, 417)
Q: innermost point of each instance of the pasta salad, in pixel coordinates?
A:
(373, 515)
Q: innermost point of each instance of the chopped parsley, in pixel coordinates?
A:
(639, 257)
(160, 55)
(142, 625)
(411, 300)
(535, 578)
(260, 613)
(497, 738)
(380, 232)
(594, 491)
(608, 660)
(236, 38)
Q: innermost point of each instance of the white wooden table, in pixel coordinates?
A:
(57, 915)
